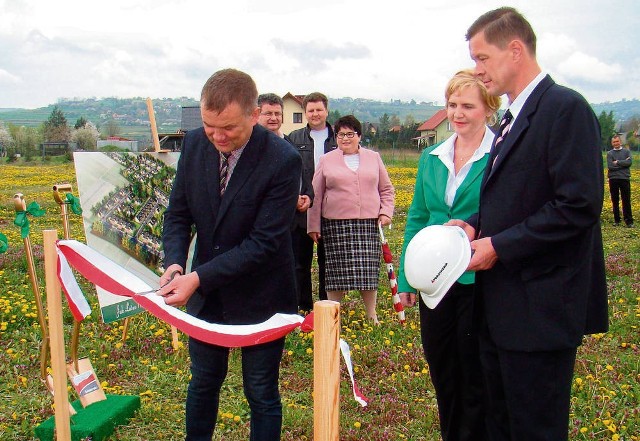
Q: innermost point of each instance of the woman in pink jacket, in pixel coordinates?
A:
(353, 193)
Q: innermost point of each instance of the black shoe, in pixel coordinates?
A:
(630, 225)
(616, 224)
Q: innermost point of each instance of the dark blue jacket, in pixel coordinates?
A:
(243, 253)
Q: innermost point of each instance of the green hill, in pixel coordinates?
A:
(132, 117)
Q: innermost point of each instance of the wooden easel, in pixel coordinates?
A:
(77, 367)
(154, 128)
(21, 205)
(175, 341)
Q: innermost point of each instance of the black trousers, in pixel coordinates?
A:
(528, 393)
(620, 189)
(303, 254)
(451, 349)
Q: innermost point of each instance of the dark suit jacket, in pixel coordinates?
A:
(243, 256)
(540, 203)
(302, 140)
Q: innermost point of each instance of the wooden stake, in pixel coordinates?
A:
(175, 341)
(56, 335)
(64, 212)
(154, 128)
(21, 205)
(326, 371)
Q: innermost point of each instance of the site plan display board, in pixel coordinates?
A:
(123, 197)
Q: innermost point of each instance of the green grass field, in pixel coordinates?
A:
(389, 364)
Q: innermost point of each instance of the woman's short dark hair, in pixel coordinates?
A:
(350, 122)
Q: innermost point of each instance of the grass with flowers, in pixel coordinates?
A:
(389, 365)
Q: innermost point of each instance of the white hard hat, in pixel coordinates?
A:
(434, 259)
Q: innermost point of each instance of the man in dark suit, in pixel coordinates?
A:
(237, 184)
(537, 240)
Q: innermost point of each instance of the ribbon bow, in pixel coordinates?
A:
(74, 203)
(22, 220)
(4, 243)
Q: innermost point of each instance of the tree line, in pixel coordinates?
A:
(387, 133)
(19, 141)
(609, 126)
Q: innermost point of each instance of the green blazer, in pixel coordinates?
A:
(429, 208)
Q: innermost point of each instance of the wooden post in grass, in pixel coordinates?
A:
(326, 371)
(156, 147)
(56, 336)
(154, 128)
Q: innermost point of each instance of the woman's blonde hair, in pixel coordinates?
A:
(466, 78)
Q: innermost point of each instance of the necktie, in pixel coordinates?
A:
(505, 125)
(224, 171)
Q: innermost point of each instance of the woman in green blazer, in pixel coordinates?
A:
(448, 187)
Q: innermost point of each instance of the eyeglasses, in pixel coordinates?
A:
(271, 114)
(349, 135)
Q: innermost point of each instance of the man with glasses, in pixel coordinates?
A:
(312, 141)
(271, 106)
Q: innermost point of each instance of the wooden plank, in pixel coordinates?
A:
(326, 371)
(56, 336)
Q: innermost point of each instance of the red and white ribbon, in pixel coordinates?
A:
(393, 282)
(75, 297)
(113, 278)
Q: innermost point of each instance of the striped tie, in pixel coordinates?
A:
(224, 171)
(505, 125)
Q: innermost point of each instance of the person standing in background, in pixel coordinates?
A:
(271, 106)
(353, 193)
(312, 142)
(619, 174)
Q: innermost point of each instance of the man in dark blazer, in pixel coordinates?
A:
(538, 245)
(243, 268)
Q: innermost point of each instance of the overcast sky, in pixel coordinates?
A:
(391, 49)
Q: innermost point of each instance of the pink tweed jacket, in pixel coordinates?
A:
(341, 193)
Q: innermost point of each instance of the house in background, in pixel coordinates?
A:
(369, 129)
(293, 116)
(434, 130)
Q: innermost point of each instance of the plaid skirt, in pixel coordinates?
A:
(352, 254)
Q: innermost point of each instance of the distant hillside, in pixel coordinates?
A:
(132, 117)
(371, 110)
(622, 110)
(130, 114)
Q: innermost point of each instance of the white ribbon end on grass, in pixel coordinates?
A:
(346, 354)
